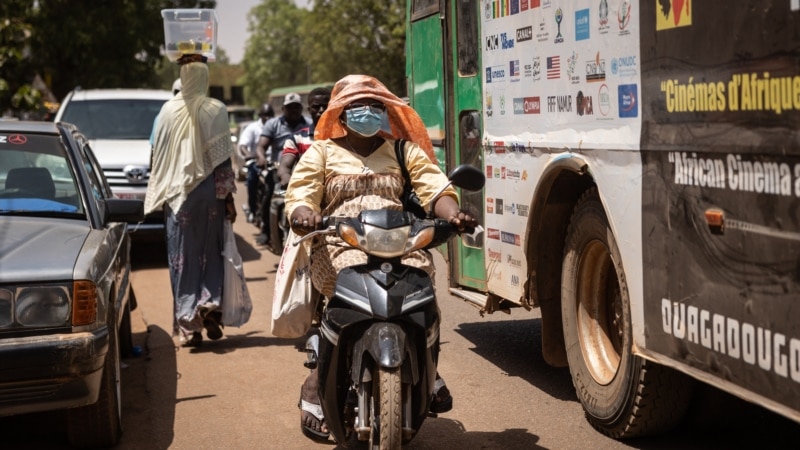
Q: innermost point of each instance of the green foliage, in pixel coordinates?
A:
(102, 43)
(117, 43)
(273, 56)
(15, 70)
(343, 37)
(290, 46)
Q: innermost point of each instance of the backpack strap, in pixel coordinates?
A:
(400, 153)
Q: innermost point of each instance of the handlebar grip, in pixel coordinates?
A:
(467, 230)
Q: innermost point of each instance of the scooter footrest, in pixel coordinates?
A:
(363, 433)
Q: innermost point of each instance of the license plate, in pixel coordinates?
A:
(126, 196)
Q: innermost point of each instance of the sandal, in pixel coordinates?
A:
(211, 322)
(313, 411)
(442, 400)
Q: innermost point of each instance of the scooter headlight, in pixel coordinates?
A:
(385, 243)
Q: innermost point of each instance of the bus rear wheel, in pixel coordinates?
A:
(623, 395)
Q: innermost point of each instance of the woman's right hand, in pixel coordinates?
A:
(305, 220)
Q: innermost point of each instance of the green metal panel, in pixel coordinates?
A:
(441, 96)
(471, 269)
(425, 70)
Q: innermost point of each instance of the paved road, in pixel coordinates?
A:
(241, 392)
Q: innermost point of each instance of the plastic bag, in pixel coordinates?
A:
(236, 304)
(294, 300)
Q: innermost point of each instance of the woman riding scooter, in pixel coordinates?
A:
(352, 167)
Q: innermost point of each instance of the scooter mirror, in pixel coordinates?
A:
(467, 177)
(474, 239)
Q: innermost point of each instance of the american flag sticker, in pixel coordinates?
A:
(553, 67)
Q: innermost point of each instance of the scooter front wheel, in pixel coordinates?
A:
(387, 417)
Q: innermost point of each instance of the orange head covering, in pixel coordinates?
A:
(405, 122)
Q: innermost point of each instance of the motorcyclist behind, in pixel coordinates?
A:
(270, 146)
(293, 149)
(248, 142)
(351, 166)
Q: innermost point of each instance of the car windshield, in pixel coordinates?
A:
(113, 119)
(36, 178)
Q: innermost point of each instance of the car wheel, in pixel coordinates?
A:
(100, 424)
(623, 395)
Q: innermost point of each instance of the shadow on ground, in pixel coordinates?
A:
(715, 418)
(152, 253)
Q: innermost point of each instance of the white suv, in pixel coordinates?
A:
(118, 123)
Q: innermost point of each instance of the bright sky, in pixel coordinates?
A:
(232, 26)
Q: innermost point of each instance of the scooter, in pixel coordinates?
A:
(379, 344)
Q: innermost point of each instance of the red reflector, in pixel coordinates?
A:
(715, 219)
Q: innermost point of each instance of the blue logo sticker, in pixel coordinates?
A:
(628, 100)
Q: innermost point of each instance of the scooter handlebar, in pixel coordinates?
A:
(443, 229)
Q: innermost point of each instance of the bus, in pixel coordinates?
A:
(642, 184)
(276, 95)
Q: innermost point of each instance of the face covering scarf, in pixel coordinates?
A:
(364, 121)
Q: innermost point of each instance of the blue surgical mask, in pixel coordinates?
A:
(364, 121)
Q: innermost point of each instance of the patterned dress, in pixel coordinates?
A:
(338, 182)
(194, 249)
(347, 195)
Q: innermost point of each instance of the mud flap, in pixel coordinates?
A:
(386, 343)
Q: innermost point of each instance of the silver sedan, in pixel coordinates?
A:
(65, 293)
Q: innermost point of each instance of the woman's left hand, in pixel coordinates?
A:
(447, 208)
(463, 221)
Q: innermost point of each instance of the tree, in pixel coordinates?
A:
(101, 44)
(273, 56)
(343, 37)
(16, 72)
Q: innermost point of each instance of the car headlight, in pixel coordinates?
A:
(55, 305)
(42, 306)
(385, 243)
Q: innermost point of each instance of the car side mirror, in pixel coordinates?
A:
(123, 210)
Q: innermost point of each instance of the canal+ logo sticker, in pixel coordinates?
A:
(527, 105)
(628, 97)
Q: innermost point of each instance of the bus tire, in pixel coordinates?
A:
(623, 395)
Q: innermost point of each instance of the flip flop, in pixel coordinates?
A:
(316, 411)
(442, 400)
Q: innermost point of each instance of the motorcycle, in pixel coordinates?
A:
(278, 222)
(261, 189)
(266, 175)
(379, 345)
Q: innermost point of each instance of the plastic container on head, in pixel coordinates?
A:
(190, 31)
